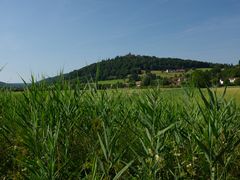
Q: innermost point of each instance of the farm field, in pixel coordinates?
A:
(232, 93)
(120, 134)
(204, 69)
(167, 75)
(114, 81)
(176, 74)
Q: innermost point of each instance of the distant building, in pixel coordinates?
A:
(175, 70)
(138, 83)
(179, 81)
(221, 82)
(180, 70)
(232, 80)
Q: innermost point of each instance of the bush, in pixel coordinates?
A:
(237, 82)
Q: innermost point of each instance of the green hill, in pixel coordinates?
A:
(121, 66)
(13, 86)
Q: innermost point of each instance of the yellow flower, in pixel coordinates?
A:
(177, 154)
(150, 152)
(189, 165)
(157, 158)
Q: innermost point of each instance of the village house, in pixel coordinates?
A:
(138, 83)
(174, 70)
(232, 80)
(221, 82)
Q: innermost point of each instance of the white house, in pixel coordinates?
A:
(221, 81)
(232, 80)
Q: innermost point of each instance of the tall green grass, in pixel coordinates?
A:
(61, 133)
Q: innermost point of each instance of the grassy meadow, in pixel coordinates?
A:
(119, 134)
(113, 81)
(166, 74)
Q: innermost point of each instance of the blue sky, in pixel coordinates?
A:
(45, 36)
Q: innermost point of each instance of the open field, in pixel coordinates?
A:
(167, 75)
(232, 93)
(114, 81)
(175, 74)
(204, 69)
(119, 134)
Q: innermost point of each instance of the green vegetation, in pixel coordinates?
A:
(167, 75)
(113, 81)
(65, 133)
(121, 67)
(204, 69)
(142, 71)
(233, 93)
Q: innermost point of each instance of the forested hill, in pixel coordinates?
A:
(13, 86)
(121, 66)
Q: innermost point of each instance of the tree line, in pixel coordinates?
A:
(122, 66)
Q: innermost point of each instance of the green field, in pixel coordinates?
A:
(175, 74)
(178, 133)
(114, 81)
(204, 69)
(233, 93)
(167, 75)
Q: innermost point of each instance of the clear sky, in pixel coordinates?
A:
(45, 36)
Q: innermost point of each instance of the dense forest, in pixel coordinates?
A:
(122, 66)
